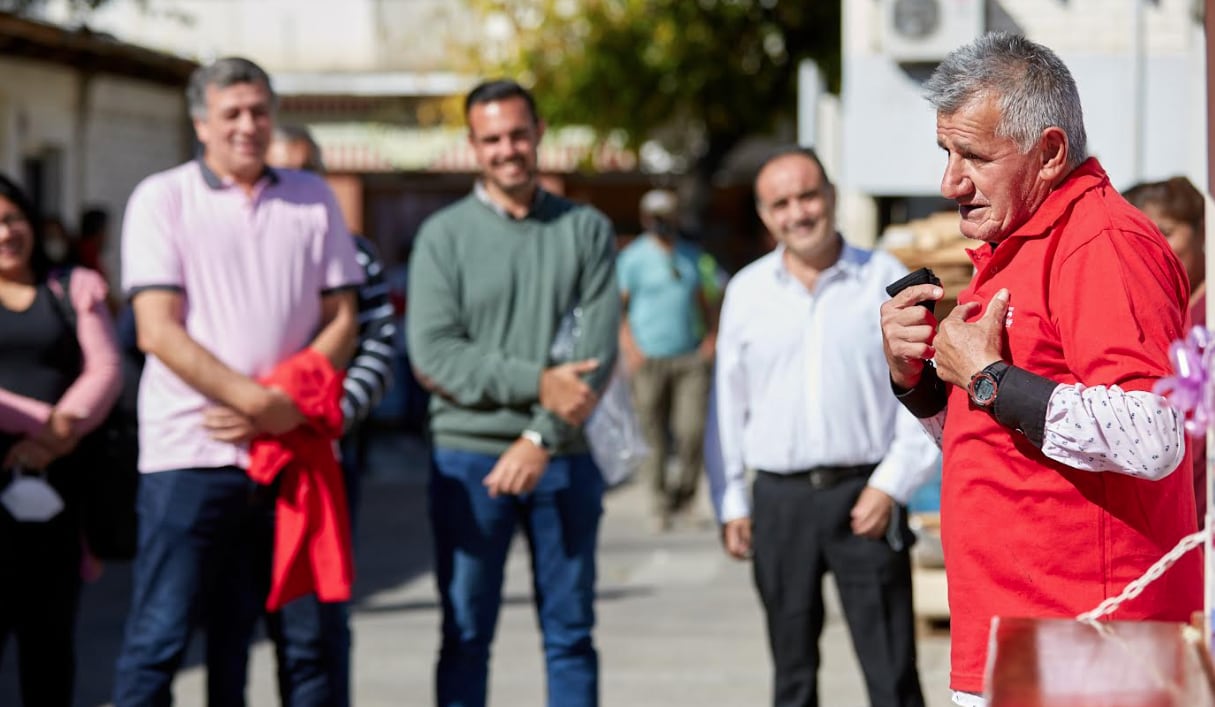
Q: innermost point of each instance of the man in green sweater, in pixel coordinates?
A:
(493, 280)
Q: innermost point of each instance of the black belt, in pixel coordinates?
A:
(823, 477)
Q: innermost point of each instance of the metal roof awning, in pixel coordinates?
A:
(85, 50)
(433, 84)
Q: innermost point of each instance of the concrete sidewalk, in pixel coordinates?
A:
(678, 622)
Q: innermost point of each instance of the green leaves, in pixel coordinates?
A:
(719, 68)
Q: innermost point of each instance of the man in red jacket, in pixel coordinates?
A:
(1058, 486)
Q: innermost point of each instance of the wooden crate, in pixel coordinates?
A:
(1066, 663)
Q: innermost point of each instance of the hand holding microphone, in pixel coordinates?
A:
(909, 325)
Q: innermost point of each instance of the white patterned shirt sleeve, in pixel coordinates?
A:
(1108, 429)
(934, 426)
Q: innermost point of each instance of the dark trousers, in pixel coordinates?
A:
(311, 637)
(472, 535)
(203, 560)
(312, 648)
(799, 533)
(39, 596)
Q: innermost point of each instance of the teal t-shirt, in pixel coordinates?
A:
(662, 287)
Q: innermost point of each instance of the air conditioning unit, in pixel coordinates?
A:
(927, 30)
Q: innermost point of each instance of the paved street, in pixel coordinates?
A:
(679, 623)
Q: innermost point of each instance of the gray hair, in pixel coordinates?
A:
(290, 133)
(1031, 85)
(223, 73)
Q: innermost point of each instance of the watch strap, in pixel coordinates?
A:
(927, 398)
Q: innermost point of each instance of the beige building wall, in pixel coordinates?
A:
(133, 130)
(100, 135)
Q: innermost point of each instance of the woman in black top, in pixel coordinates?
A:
(59, 376)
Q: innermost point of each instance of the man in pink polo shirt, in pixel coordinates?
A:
(231, 268)
(1059, 484)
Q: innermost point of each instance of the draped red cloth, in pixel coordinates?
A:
(312, 549)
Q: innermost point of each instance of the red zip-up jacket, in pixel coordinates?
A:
(312, 550)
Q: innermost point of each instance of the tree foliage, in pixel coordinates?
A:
(698, 74)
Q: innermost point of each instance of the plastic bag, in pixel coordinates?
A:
(614, 433)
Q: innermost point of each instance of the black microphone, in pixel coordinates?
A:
(923, 276)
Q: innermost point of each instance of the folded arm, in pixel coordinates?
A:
(599, 300)
(159, 318)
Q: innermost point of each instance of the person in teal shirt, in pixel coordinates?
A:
(667, 337)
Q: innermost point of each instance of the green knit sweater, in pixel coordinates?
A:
(486, 295)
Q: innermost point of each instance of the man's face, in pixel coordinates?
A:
(504, 136)
(997, 187)
(797, 205)
(236, 129)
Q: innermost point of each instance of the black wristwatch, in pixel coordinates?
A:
(984, 386)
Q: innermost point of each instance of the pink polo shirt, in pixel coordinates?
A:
(252, 270)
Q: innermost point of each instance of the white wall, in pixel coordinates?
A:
(37, 111)
(291, 35)
(135, 129)
(130, 130)
(889, 144)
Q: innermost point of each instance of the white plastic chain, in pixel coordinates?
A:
(1154, 573)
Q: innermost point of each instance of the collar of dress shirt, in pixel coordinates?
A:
(849, 264)
(482, 195)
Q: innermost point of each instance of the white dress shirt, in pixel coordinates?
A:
(802, 381)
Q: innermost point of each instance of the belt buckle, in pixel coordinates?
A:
(818, 479)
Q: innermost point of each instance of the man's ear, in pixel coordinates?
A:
(1054, 154)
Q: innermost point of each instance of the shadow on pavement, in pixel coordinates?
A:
(603, 595)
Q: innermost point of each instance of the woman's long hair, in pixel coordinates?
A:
(39, 263)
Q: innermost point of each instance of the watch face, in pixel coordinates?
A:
(984, 390)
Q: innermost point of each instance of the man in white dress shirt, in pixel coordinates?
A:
(803, 397)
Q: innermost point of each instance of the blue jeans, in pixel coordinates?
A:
(203, 560)
(472, 534)
(312, 638)
(312, 648)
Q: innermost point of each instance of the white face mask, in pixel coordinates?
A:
(30, 499)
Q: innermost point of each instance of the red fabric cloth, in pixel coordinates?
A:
(312, 550)
(1096, 297)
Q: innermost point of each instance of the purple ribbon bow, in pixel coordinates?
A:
(1189, 391)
